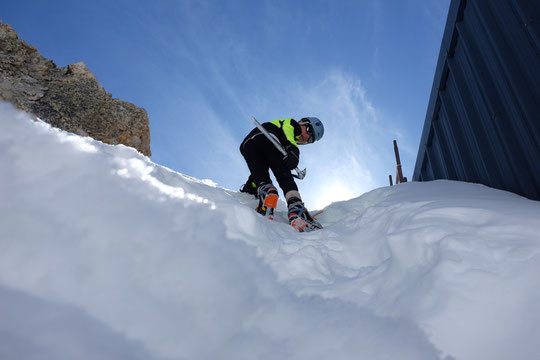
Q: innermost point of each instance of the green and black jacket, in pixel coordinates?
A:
(287, 132)
(260, 154)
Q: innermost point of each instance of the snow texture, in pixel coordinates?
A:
(106, 255)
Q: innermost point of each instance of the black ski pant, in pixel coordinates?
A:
(261, 155)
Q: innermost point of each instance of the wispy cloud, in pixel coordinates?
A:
(355, 153)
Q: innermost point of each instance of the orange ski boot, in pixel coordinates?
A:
(268, 200)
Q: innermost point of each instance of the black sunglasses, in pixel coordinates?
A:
(309, 130)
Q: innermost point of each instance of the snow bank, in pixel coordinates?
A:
(104, 254)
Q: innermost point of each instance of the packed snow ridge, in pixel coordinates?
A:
(106, 255)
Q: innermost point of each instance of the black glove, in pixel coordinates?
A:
(290, 160)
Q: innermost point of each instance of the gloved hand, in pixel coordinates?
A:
(290, 160)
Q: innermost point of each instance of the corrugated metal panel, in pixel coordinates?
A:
(483, 118)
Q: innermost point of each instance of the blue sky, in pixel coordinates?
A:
(202, 68)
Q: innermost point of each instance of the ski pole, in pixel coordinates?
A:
(300, 174)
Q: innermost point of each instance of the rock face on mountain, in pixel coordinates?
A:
(69, 98)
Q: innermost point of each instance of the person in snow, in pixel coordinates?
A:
(261, 155)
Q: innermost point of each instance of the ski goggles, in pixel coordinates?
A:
(309, 130)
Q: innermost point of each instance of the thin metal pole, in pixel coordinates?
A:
(399, 174)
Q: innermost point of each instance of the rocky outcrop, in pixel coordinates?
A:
(69, 98)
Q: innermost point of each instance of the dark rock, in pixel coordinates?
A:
(69, 98)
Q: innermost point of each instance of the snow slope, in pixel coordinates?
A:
(106, 255)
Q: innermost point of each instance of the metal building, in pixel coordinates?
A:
(483, 118)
